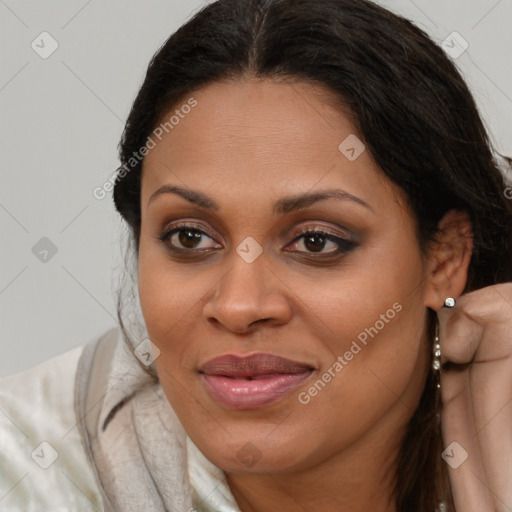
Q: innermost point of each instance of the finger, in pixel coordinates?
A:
(492, 304)
(496, 458)
(459, 335)
(491, 398)
(470, 490)
(480, 426)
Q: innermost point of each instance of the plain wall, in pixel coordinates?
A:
(61, 120)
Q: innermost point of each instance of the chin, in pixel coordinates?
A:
(257, 452)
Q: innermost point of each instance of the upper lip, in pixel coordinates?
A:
(252, 366)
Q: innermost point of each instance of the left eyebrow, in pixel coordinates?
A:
(282, 206)
(297, 202)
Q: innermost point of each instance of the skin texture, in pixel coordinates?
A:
(246, 144)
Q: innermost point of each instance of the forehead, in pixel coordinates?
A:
(254, 135)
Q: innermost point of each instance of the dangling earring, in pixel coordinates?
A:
(436, 366)
(436, 363)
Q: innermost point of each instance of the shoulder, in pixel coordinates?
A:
(43, 465)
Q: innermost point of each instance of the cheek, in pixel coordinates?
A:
(378, 292)
(169, 298)
(374, 362)
(373, 317)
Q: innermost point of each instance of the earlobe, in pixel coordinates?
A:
(448, 259)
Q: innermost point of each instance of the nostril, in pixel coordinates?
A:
(258, 321)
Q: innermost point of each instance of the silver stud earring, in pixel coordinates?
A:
(450, 302)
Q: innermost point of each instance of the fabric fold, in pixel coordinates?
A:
(131, 435)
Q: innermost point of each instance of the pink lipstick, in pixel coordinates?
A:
(254, 381)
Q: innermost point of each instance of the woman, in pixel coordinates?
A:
(323, 252)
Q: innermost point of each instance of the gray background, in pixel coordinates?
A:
(62, 117)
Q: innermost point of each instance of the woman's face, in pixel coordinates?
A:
(250, 167)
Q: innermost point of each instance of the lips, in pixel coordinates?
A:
(254, 381)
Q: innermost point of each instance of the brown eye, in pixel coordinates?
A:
(315, 242)
(189, 238)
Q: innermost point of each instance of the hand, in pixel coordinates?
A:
(476, 391)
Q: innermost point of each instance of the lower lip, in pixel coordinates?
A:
(251, 394)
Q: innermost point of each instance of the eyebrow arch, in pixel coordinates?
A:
(192, 196)
(282, 206)
(299, 201)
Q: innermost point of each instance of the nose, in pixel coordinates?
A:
(247, 295)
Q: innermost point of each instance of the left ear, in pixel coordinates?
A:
(448, 259)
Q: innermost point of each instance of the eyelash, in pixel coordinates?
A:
(344, 245)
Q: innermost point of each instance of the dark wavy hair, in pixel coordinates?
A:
(413, 111)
